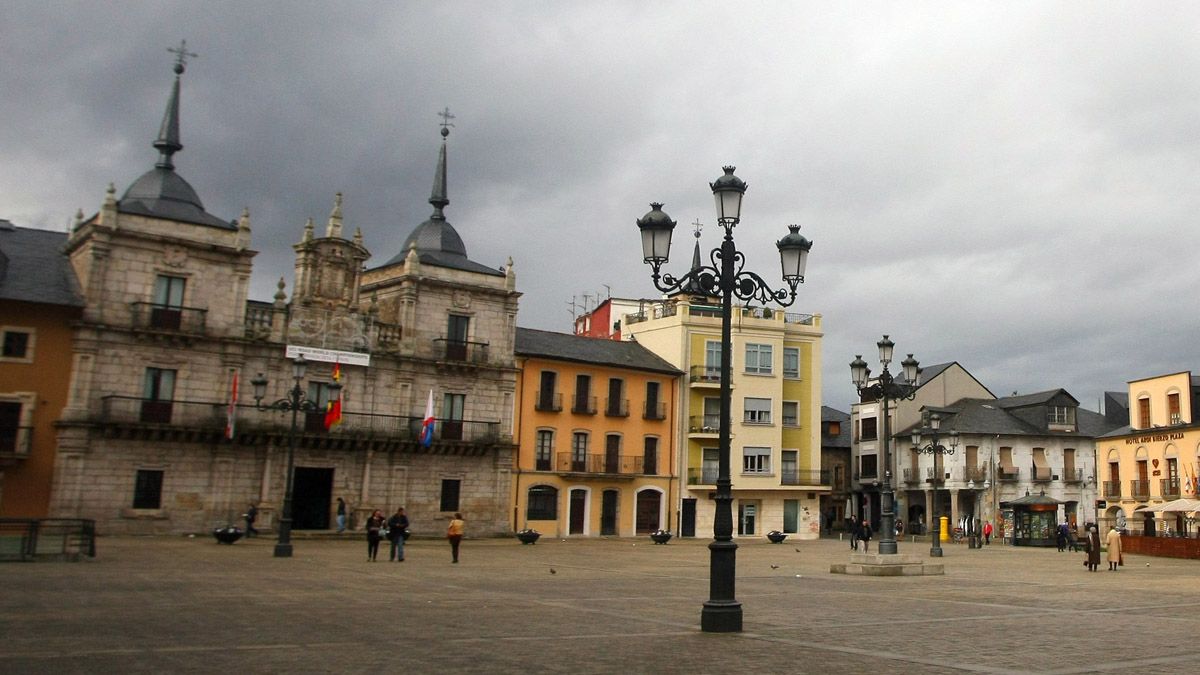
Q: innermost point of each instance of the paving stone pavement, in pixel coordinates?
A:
(617, 605)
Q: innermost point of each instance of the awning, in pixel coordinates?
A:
(1176, 506)
(1033, 500)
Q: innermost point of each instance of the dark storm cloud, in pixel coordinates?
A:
(1011, 187)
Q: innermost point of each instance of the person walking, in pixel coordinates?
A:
(1062, 537)
(1113, 542)
(1093, 548)
(454, 534)
(864, 533)
(341, 515)
(374, 534)
(251, 515)
(397, 526)
(987, 532)
(852, 530)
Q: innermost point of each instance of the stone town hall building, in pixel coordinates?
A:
(143, 443)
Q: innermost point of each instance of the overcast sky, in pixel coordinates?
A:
(1012, 186)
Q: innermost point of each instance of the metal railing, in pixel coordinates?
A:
(155, 316)
(569, 462)
(205, 415)
(705, 374)
(548, 402)
(1112, 489)
(801, 319)
(705, 476)
(1139, 489)
(973, 473)
(654, 410)
(704, 424)
(1072, 475)
(804, 477)
(1168, 488)
(912, 476)
(1041, 474)
(1008, 474)
(51, 538)
(616, 407)
(583, 405)
(462, 351)
(15, 442)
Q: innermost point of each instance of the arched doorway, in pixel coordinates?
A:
(649, 511)
(577, 516)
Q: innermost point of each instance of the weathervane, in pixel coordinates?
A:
(697, 227)
(181, 56)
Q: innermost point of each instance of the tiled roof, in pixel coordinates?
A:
(597, 351)
(33, 267)
(842, 440)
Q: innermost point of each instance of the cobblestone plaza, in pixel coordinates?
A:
(591, 606)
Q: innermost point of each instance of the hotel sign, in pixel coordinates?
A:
(1155, 438)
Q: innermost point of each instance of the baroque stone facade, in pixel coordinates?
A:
(162, 431)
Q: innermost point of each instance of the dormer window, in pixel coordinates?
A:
(1061, 418)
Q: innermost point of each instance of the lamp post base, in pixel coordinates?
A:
(721, 617)
(283, 550)
(935, 552)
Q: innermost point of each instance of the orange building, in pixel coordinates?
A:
(39, 300)
(596, 433)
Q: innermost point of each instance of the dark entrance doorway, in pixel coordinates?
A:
(687, 518)
(312, 493)
(649, 508)
(608, 513)
(578, 511)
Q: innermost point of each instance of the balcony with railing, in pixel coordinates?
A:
(548, 401)
(704, 425)
(1112, 489)
(258, 319)
(977, 474)
(1168, 488)
(1139, 489)
(15, 443)
(607, 464)
(911, 476)
(1072, 475)
(936, 475)
(616, 407)
(705, 375)
(804, 477)
(704, 476)
(460, 351)
(168, 319)
(131, 414)
(654, 410)
(583, 405)
(1008, 474)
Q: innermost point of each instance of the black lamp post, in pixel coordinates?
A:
(886, 388)
(722, 613)
(295, 402)
(931, 425)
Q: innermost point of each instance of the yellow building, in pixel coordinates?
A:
(775, 460)
(1155, 459)
(595, 427)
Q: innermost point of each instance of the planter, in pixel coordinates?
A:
(776, 537)
(227, 534)
(528, 537)
(661, 537)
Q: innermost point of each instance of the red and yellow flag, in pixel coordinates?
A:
(333, 409)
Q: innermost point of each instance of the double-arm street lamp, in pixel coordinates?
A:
(886, 388)
(295, 402)
(722, 613)
(931, 424)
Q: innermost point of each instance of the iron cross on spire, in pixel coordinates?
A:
(181, 56)
(698, 226)
(446, 117)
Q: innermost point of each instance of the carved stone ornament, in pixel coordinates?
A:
(174, 257)
(462, 299)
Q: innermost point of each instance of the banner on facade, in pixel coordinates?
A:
(329, 355)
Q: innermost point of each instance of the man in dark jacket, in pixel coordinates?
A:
(864, 533)
(251, 515)
(397, 525)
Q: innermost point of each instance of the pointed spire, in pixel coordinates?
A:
(693, 286)
(308, 231)
(168, 143)
(358, 239)
(334, 227)
(439, 198)
(280, 295)
(243, 223)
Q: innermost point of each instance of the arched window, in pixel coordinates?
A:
(542, 503)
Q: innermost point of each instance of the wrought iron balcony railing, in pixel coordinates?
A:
(1008, 474)
(654, 410)
(1112, 489)
(912, 476)
(1168, 488)
(548, 401)
(461, 351)
(705, 374)
(616, 407)
(611, 464)
(804, 477)
(704, 476)
(1139, 489)
(155, 316)
(704, 424)
(213, 416)
(973, 473)
(583, 405)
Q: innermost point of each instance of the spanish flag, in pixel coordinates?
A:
(333, 409)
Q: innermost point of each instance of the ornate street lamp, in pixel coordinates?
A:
(886, 388)
(931, 426)
(295, 402)
(722, 613)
